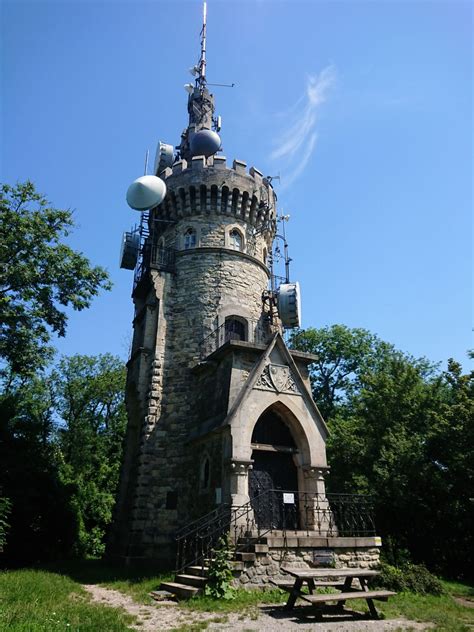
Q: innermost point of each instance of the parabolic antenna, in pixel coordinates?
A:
(289, 305)
(164, 157)
(146, 192)
(205, 143)
(129, 250)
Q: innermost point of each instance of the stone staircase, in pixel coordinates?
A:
(192, 581)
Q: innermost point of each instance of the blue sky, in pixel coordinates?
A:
(364, 108)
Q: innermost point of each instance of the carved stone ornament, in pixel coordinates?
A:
(277, 377)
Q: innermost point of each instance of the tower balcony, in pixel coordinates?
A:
(250, 331)
(157, 258)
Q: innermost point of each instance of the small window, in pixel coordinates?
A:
(190, 239)
(236, 241)
(171, 500)
(235, 329)
(265, 256)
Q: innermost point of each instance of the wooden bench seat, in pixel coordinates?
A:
(382, 595)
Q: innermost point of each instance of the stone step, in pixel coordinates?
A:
(252, 547)
(246, 557)
(197, 570)
(191, 580)
(237, 565)
(252, 540)
(182, 591)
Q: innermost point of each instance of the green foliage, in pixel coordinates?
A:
(89, 398)
(60, 449)
(220, 575)
(403, 431)
(343, 357)
(414, 578)
(5, 509)
(42, 522)
(39, 277)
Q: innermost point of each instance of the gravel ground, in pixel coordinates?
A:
(165, 616)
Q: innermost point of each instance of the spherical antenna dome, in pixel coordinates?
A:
(146, 192)
(205, 143)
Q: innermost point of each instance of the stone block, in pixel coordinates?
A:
(239, 166)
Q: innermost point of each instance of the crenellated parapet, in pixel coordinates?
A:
(203, 187)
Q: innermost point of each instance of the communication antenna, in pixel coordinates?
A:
(202, 62)
(147, 154)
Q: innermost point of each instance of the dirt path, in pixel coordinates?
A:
(165, 616)
(154, 618)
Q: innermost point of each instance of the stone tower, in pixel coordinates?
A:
(219, 409)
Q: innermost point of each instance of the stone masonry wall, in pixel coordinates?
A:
(268, 566)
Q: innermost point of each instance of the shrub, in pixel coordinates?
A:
(5, 508)
(220, 575)
(414, 578)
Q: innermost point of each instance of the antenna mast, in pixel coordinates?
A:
(202, 61)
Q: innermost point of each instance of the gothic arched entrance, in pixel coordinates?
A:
(273, 479)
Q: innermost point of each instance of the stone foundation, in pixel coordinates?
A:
(267, 566)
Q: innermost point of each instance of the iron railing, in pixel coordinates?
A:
(251, 331)
(275, 512)
(154, 256)
(162, 258)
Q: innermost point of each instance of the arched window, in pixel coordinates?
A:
(235, 328)
(205, 475)
(236, 241)
(265, 256)
(189, 239)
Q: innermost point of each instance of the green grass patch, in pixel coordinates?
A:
(442, 610)
(42, 601)
(244, 601)
(133, 582)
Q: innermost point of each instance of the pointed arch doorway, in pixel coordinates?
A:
(273, 479)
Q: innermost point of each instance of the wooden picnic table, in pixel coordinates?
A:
(340, 578)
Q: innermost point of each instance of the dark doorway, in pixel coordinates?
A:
(274, 472)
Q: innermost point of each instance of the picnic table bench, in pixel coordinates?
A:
(340, 578)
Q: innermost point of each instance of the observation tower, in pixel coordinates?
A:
(222, 427)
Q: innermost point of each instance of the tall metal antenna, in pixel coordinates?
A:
(202, 61)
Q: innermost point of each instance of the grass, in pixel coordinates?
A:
(42, 601)
(136, 583)
(443, 611)
(245, 601)
(51, 598)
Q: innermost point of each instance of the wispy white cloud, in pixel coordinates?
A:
(298, 141)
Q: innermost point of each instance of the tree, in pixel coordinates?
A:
(403, 432)
(343, 356)
(40, 276)
(42, 523)
(88, 393)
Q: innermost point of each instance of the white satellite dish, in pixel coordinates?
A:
(289, 305)
(164, 157)
(189, 87)
(129, 250)
(146, 192)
